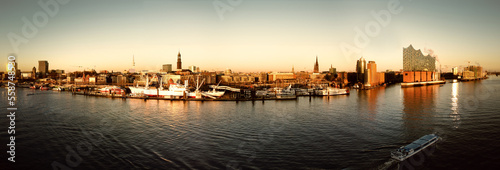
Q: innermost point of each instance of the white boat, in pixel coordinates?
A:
(261, 93)
(332, 91)
(285, 93)
(301, 92)
(174, 90)
(214, 93)
(200, 94)
(111, 90)
(140, 91)
(413, 148)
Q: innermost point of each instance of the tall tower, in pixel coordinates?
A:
(360, 69)
(43, 67)
(371, 73)
(316, 66)
(179, 62)
(33, 73)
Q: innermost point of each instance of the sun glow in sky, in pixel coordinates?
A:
(256, 35)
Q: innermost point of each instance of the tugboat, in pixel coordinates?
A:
(413, 148)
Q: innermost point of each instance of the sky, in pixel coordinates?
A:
(247, 36)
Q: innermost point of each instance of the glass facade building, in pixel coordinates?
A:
(414, 60)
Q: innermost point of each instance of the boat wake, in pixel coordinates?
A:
(388, 164)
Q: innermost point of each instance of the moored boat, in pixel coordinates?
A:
(111, 90)
(332, 91)
(285, 93)
(44, 88)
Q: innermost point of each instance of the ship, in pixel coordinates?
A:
(214, 94)
(415, 147)
(332, 91)
(285, 93)
(174, 91)
(277, 92)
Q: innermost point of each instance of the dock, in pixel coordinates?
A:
(425, 83)
(123, 96)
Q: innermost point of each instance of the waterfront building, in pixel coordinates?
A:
(243, 79)
(209, 77)
(417, 67)
(179, 62)
(473, 72)
(454, 70)
(43, 68)
(343, 77)
(316, 66)
(281, 76)
(371, 77)
(360, 69)
(26, 75)
(121, 80)
(414, 60)
(92, 80)
(372, 72)
(167, 67)
(79, 80)
(102, 79)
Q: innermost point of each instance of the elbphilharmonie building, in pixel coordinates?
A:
(414, 60)
(418, 69)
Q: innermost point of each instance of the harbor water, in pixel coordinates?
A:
(356, 131)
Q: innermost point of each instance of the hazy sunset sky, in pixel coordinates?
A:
(257, 35)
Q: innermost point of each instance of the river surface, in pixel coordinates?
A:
(357, 131)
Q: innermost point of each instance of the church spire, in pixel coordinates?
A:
(316, 66)
(179, 62)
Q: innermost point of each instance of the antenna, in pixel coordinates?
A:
(133, 60)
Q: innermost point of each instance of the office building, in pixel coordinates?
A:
(43, 68)
(360, 69)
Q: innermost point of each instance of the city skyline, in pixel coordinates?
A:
(254, 36)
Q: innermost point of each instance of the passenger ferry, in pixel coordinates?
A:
(413, 148)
